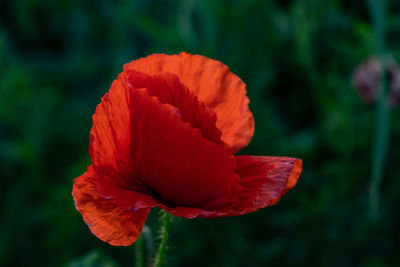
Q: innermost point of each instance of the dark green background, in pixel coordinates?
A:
(57, 58)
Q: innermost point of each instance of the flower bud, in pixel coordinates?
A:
(366, 79)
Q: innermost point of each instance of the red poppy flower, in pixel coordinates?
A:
(164, 136)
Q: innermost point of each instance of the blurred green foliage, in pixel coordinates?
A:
(57, 58)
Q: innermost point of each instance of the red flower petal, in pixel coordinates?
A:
(107, 221)
(163, 157)
(110, 134)
(169, 90)
(214, 85)
(265, 180)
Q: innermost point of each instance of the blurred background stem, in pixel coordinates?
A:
(139, 252)
(377, 9)
(164, 239)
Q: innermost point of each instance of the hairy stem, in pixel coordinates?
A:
(164, 239)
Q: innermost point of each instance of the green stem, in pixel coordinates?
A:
(379, 150)
(164, 239)
(377, 10)
(139, 252)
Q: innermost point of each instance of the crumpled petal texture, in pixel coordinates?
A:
(164, 136)
(106, 220)
(213, 83)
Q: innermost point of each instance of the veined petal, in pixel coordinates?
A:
(265, 180)
(110, 138)
(170, 161)
(169, 90)
(214, 85)
(108, 222)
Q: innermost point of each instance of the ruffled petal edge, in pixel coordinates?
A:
(105, 220)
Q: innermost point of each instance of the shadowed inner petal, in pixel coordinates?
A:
(214, 85)
(169, 90)
(172, 157)
(169, 148)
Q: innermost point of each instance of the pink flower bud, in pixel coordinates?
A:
(366, 79)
